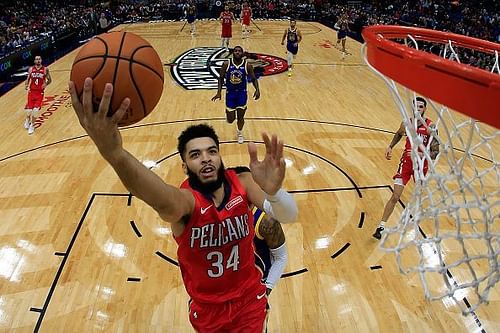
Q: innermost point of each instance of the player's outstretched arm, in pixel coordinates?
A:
(171, 203)
(263, 184)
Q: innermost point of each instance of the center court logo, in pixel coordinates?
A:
(198, 68)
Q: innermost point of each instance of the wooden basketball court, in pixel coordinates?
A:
(78, 254)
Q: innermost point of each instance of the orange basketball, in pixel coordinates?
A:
(130, 64)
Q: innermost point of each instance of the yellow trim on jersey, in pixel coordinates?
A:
(238, 66)
(239, 107)
(259, 236)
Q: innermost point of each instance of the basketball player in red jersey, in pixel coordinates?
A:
(209, 214)
(246, 17)
(38, 79)
(405, 169)
(226, 18)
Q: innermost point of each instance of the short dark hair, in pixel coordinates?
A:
(420, 99)
(193, 132)
(238, 47)
(293, 19)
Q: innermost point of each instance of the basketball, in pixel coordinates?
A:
(128, 62)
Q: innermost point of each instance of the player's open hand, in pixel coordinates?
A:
(270, 172)
(103, 130)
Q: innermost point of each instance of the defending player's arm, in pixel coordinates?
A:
(251, 73)
(222, 75)
(263, 183)
(397, 136)
(48, 78)
(171, 203)
(270, 230)
(27, 82)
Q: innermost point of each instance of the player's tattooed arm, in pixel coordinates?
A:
(399, 134)
(270, 229)
(434, 149)
(48, 78)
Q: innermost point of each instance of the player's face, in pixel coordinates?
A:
(203, 161)
(237, 53)
(226, 8)
(292, 24)
(38, 60)
(421, 107)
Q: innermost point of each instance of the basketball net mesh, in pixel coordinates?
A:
(449, 230)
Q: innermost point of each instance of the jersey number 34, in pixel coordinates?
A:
(217, 259)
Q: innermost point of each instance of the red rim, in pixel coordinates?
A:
(469, 90)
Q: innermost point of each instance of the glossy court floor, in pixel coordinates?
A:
(78, 254)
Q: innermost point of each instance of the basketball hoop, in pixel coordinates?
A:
(452, 222)
(461, 87)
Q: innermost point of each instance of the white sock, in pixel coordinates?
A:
(381, 224)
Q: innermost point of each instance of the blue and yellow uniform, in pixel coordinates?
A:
(236, 86)
(191, 14)
(343, 28)
(292, 41)
(262, 253)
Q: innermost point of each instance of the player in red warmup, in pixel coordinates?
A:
(210, 213)
(246, 18)
(226, 18)
(38, 79)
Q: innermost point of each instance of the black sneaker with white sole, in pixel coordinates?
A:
(378, 233)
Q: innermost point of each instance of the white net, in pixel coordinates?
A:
(448, 232)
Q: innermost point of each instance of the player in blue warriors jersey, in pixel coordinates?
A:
(342, 27)
(234, 73)
(270, 248)
(191, 16)
(293, 38)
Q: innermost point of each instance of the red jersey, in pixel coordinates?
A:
(227, 21)
(227, 18)
(246, 15)
(37, 77)
(421, 132)
(216, 252)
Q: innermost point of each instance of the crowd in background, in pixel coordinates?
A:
(23, 22)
